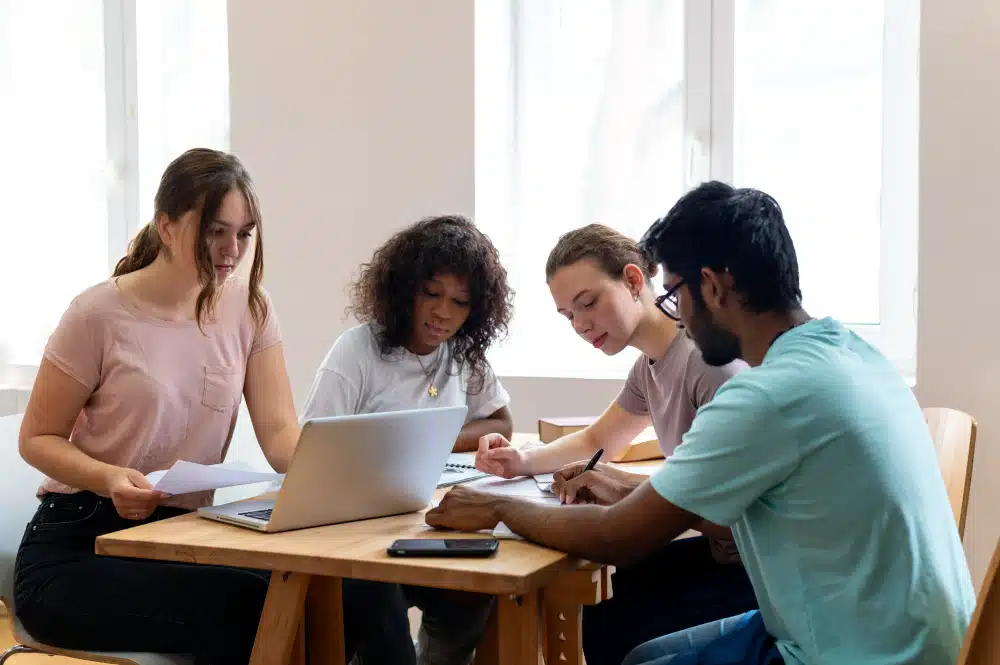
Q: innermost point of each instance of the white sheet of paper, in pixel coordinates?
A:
(544, 481)
(185, 477)
(503, 531)
(525, 488)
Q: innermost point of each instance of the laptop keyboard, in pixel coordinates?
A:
(262, 515)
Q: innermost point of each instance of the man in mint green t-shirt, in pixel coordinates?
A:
(817, 458)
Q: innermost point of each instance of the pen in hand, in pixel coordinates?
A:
(593, 460)
(590, 465)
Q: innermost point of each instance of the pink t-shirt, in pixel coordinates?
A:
(161, 391)
(670, 390)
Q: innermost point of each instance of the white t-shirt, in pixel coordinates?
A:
(356, 378)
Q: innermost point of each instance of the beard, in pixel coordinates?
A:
(718, 346)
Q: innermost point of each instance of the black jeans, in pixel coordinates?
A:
(69, 597)
(679, 587)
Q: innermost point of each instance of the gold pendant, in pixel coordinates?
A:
(432, 391)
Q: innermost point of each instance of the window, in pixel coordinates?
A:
(608, 111)
(98, 98)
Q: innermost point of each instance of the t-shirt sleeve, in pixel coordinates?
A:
(632, 397)
(486, 401)
(269, 332)
(736, 451)
(704, 380)
(336, 389)
(76, 347)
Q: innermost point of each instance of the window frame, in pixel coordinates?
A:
(122, 122)
(708, 144)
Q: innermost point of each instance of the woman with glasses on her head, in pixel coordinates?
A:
(601, 282)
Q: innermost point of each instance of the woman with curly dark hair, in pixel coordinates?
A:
(430, 303)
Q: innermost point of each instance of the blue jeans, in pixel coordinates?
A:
(739, 640)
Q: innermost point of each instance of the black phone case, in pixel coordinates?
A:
(484, 549)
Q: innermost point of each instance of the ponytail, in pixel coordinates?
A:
(142, 251)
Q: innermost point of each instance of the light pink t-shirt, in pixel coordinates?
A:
(162, 391)
(671, 390)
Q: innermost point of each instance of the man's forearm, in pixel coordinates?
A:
(623, 533)
(576, 530)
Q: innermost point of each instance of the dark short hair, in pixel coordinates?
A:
(609, 249)
(386, 288)
(741, 231)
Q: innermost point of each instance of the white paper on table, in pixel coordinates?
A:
(544, 481)
(185, 477)
(525, 488)
(503, 531)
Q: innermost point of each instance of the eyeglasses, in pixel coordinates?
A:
(667, 303)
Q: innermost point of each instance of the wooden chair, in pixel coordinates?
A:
(982, 641)
(954, 435)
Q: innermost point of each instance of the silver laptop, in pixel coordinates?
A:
(349, 468)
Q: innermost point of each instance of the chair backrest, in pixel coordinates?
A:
(18, 484)
(982, 642)
(954, 435)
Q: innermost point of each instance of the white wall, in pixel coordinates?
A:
(356, 118)
(958, 346)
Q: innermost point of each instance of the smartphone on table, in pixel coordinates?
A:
(444, 547)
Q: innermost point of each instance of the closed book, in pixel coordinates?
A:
(643, 447)
(550, 429)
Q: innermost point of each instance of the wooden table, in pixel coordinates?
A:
(308, 565)
(538, 590)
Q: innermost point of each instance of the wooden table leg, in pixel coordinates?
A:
(563, 626)
(279, 622)
(512, 633)
(562, 611)
(298, 655)
(325, 621)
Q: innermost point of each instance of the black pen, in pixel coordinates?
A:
(593, 460)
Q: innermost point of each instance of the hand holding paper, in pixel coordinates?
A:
(185, 477)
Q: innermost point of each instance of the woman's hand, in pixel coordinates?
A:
(133, 496)
(496, 456)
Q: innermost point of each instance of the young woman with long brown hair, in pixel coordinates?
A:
(145, 369)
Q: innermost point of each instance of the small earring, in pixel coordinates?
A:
(637, 297)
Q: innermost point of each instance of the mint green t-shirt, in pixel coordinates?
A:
(821, 462)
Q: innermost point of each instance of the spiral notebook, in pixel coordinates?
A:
(460, 468)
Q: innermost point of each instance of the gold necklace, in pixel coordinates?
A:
(431, 390)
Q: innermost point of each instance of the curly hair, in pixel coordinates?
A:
(386, 288)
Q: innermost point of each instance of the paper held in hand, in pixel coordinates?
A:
(185, 477)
